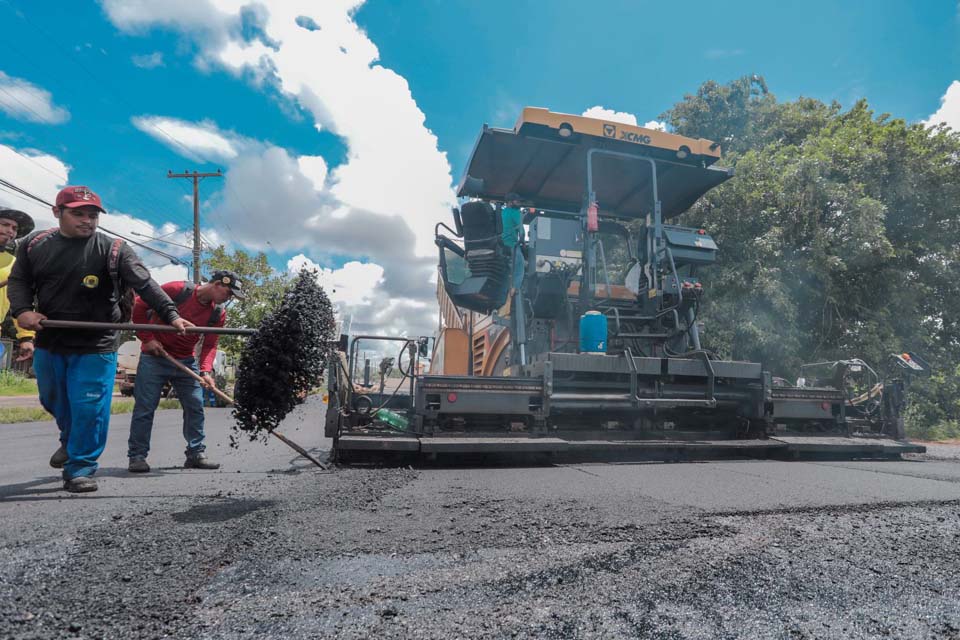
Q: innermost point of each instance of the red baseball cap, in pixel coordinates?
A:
(78, 196)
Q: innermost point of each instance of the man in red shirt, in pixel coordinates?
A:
(200, 304)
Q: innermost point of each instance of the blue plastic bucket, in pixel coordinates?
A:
(593, 332)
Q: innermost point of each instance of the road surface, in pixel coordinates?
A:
(270, 546)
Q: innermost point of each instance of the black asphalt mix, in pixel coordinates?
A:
(272, 547)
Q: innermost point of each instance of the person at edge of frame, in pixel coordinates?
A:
(14, 225)
(511, 236)
(74, 272)
(203, 306)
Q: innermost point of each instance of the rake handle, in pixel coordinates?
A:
(293, 445)
(131, 326)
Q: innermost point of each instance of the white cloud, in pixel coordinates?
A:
(267, 199)
(25, 101)
(378, 208)
(39, 173)
(949, 111)
(200, 142)
(44, 175)
(195, 16)
(603, 113)
(316, 54)
(357, 291)
(271, 199)
(351, 285)
(126, 225)
(169, 273)
(148, 60)
(314, 168)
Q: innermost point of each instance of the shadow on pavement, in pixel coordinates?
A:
(220, 511)
(23, 490)
(34, 490)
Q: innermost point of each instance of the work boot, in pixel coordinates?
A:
(59, 458)
(199, 461)
(80, 484)
(138, 465)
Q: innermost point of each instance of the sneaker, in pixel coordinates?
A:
(199, 461)
(80, 484)
(59, 458)
(138, 465)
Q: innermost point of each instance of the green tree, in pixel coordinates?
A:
(263, 285)
(838, 237)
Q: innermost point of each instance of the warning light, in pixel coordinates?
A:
(701, 232)
(451, 397)
(906, 356)
(824, 405)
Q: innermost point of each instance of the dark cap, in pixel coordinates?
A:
(78, 196)
(231, 280)
(24, 222)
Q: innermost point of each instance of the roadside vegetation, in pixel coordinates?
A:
(10, 415)
(16, 384)
(838, 238)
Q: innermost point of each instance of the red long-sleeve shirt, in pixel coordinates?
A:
(182, 346)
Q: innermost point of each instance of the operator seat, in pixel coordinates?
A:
(483, 282)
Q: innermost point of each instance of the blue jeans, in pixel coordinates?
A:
(152, 374)
(77, 389)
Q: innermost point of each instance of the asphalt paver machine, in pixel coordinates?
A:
(572, 326)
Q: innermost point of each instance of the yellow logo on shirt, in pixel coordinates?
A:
(91, 281)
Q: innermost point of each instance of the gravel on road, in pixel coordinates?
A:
(500, 552)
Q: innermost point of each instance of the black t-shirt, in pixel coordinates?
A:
(69, 278)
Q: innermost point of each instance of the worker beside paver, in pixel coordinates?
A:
(512, 234)
(74, 272)
(201, 305)
(14, 225)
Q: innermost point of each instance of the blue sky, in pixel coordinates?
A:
(97, 93)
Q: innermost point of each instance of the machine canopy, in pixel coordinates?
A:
(548, 170)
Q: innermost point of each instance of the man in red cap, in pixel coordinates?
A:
(202, 305)
(73, 272)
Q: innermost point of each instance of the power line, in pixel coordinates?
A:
(24, 192)
(64, 180)
(147, 206)
(155, 202)
(14, 187)
(189, 152)
(171, 213)
(196, 177)
(23, 104)
(14, 193)
(151, 238)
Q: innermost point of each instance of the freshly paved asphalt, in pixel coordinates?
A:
(30, 491)
(271, 546)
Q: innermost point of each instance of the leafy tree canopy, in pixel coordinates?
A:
(838, 237)
(263, 285)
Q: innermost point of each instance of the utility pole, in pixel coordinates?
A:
(196, 177)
